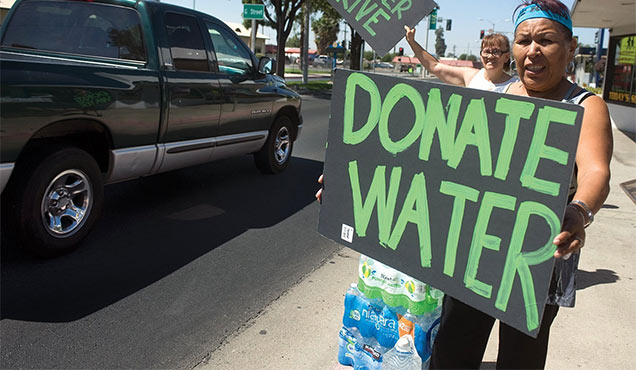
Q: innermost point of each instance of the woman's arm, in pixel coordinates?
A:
(593, 161)
(452, 75)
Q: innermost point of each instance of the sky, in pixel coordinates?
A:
(468, 18)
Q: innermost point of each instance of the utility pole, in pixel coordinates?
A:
(489, 21)
(599, 51)
(253, 33)
(344, 58)
(373, 61)
(362, 56)
(428, 25)
(306, 45)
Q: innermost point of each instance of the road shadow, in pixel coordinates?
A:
(609, 206)
(490, 365)
(630, 135)
(586, 279)
(150, 228)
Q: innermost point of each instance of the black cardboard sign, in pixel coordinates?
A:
(463, 189)
(381, 22)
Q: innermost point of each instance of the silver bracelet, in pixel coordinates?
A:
(579, 211)
(587, 211)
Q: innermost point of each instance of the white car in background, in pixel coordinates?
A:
(322, 61)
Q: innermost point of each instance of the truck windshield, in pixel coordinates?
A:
(78, 28)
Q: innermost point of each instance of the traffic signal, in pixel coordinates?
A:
(401, 51)
(481, 34)
(448, 24)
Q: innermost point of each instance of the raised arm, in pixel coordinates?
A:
(452, 75)
(593, 162)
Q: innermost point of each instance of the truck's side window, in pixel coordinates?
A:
(232, 57)
(77, 28)
(186, 43)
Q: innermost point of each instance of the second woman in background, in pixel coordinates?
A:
(495, 57)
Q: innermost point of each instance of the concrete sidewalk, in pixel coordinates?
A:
(299, 330)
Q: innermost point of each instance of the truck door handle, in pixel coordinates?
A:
(181, 90)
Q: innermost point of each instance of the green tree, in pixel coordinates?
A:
(368, 55)
(470, 57)
(326, 28)
(388, 57)
(294, 41)
(440, 44)
(589, 65)
(280, 15)
(322, 7)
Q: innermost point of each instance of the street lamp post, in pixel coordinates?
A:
(489, 21)
(493, 23)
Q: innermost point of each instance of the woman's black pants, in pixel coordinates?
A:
(463, 336)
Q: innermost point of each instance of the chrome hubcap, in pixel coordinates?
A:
(282, 145)
(66, 203)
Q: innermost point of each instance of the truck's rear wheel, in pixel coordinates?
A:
(275, 155)
(58, 201)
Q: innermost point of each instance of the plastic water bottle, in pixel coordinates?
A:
(387, 328)
(351, 301)
(373, 319)
(361, 313)
(368, 357)
(358, 352)
(403, 356)
(348, 341)
(406, 324)
(396, 289)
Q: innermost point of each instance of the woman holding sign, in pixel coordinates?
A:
(495, 57)
(543, 46)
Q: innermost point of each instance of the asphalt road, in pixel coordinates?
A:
(177, 262)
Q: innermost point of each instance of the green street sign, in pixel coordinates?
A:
(253, 11)
(433, 22)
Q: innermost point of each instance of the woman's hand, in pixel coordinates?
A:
(572, 236)
(410, 34)
(319, 193)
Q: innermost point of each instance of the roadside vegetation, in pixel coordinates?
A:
(310, 86)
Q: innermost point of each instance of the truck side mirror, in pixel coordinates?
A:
(266, 65)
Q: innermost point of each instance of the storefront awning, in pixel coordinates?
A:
(619, 15)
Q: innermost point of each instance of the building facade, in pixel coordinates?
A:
(5, 5)
(245, 35)
(619, 83)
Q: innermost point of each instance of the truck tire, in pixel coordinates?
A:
(275, 155)
(58, 199)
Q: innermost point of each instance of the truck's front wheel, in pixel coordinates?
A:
(275, 155)
(58, 201)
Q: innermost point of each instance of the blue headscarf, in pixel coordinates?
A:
(534, 11)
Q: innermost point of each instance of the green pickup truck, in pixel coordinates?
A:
(99, 91)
